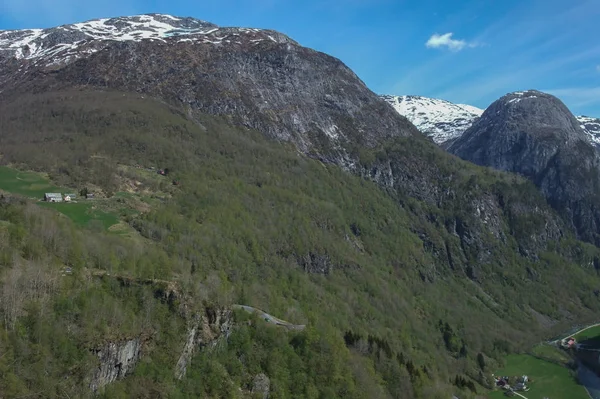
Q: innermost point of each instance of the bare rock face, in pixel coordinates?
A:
(481, 219)
(261, 386)
(520, 133)
(117, 359)
(316, 263)
(205, 332)
(535, 135)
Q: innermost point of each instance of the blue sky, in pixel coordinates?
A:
(468, 51)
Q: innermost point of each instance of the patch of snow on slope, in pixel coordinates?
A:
(332, 131)
(471, 109)
(439, 119)
(591, 126)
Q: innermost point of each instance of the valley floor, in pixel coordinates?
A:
(547, 380)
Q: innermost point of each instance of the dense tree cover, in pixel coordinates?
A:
(397, 302)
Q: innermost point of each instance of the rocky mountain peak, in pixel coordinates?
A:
(536, 113)
(69, 42)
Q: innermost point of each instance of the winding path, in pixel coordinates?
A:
(271, 319)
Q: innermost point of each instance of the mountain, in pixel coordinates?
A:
(439, 119)
(258, 78)
(286, 186)
(535, 135)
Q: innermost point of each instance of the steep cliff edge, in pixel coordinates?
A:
(117, 359)
(205, 331)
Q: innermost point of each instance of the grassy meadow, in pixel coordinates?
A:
(34, 185)
(547, 380)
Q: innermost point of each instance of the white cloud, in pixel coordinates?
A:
(446, 40)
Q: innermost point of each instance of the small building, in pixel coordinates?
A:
(568, 343)
(69, 197)
(89, 196)
(53, 197)
(520, 386)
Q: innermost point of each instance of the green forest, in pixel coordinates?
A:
(402, 295)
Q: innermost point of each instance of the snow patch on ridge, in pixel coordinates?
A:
(439, 119)
(591, 126)
(62, 44)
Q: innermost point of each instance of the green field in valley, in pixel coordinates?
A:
(29, 184)
(590, 333)
(547, 380)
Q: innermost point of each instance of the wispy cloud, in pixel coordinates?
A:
(446, 40)
(598, 68)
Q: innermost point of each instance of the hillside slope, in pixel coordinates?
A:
(257, 224)
(403, 272)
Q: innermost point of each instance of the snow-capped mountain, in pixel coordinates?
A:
(439, 119)
(257, 78)
(67, 43)
(591, 126)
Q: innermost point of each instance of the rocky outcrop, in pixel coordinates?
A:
(205, 332)
(117, 359)
(207, 327)
(535, 135)
(479, 220)
(187, 353)
(316, 263)
(261, 386)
